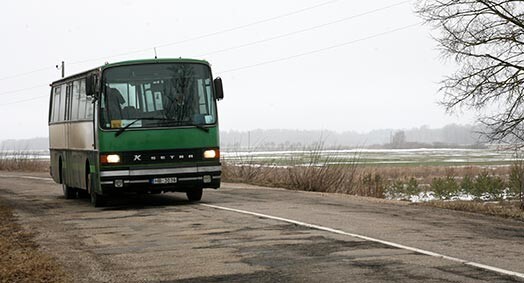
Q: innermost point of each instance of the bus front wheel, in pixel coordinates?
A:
(194, 194)
(97, 200)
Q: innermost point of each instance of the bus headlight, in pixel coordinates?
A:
(211, 153)
(110, 158)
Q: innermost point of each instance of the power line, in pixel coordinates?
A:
(26, 73)
(22, 89)
(278, 59)
(303, 30)
(168, 44)
(182, 41)
(24, 100)
(320, 50)
(212, 33)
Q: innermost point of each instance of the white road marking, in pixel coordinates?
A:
(26, 177)
(317, 227)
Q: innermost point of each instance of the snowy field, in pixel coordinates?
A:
(24, 154)
(420, 156)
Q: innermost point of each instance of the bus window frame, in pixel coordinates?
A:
(68, 102)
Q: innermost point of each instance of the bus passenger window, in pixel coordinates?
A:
(88, 102)
(62, 107)
(56, 104)
(75, 100)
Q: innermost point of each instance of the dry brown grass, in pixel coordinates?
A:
(425, 174)
(503, 209)
(308, 172)
(350, 178)
(295, 178)
(20, 259)
(22, 161)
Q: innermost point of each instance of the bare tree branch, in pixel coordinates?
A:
(486, 39)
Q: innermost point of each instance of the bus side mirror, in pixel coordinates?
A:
(219, 90)
(91, 85)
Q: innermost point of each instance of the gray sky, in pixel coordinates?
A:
(376, 78)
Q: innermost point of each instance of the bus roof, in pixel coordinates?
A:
(159, 60)
(134, 62)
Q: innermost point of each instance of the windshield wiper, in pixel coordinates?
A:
(121, 130)
(180, 123)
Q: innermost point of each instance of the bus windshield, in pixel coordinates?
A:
(157, 95)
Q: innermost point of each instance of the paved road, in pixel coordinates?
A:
(163, 238)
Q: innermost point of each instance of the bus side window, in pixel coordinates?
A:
(55, 104)
(69, 91)
(75, 101)
(62, 106)
(88, 103)
(82, 105)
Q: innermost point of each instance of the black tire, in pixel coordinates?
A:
(194, 195)
(69, 192)
(83, 194)
(97, 200)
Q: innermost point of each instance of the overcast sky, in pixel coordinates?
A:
(309, 64)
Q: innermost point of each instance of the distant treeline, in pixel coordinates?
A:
(278, 139)
(25, 144)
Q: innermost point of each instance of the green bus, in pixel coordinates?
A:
(143, 126)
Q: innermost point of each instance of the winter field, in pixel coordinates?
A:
(28, 154)
(377, 157)
(459, 177)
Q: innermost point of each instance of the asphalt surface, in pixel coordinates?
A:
(164, 238)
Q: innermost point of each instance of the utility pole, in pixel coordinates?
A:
(62, 67)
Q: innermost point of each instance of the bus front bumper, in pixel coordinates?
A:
(162, 179)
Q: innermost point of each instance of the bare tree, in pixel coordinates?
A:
(398, 140)
(486, 39)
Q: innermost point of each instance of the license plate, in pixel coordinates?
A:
(161, 181)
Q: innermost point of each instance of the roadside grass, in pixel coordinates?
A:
(489, 189)
(313, 173)
(20, 258)
(21, 160)
(308, 170)
(507, 209)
